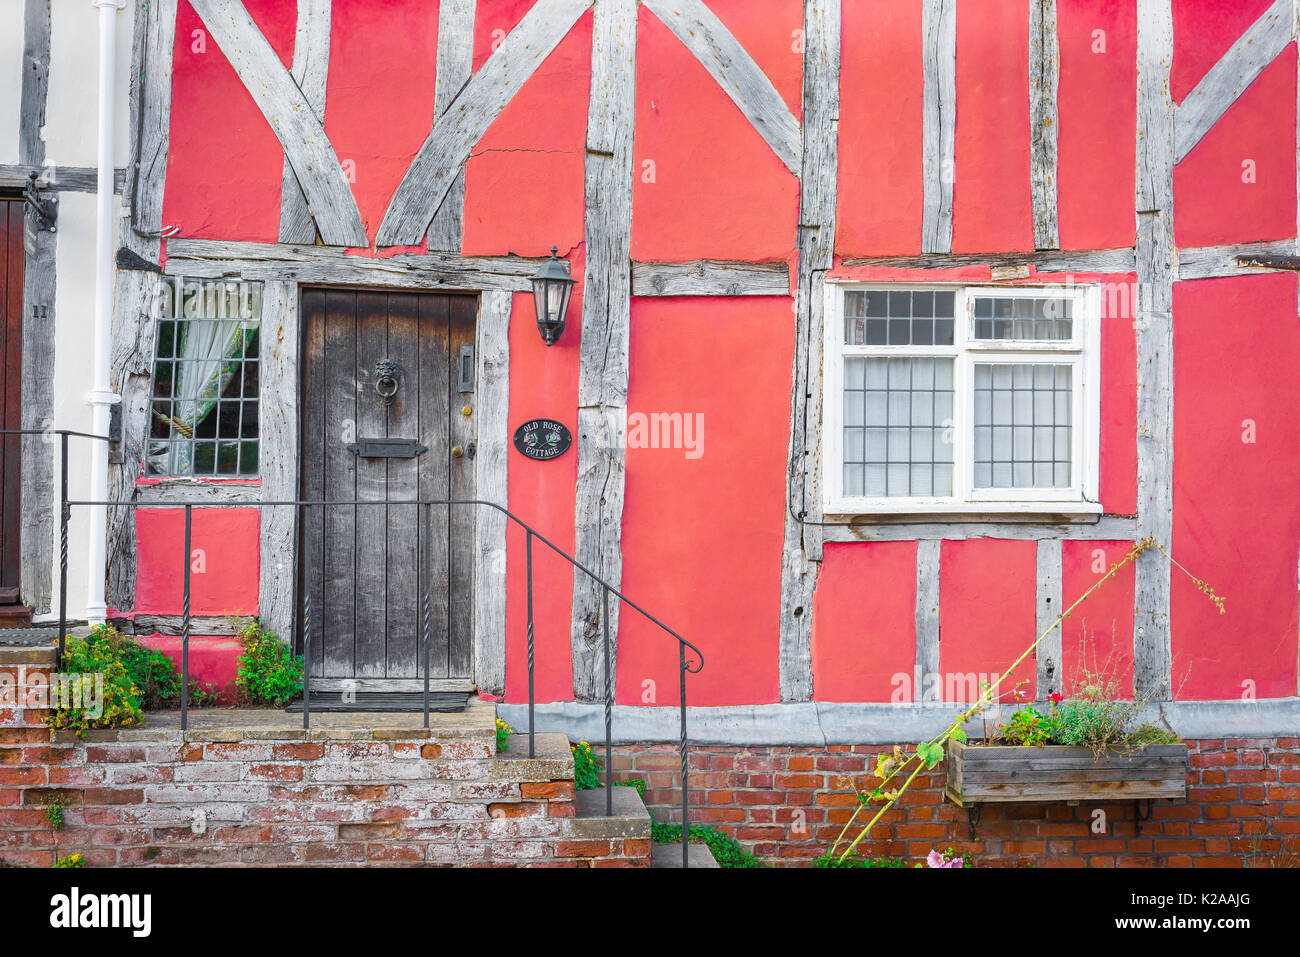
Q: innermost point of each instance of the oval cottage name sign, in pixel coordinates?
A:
(543, 439)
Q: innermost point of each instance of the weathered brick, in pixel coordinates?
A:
(547, 791)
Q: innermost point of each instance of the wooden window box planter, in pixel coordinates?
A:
(993, 774)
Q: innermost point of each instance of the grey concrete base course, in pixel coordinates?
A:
(817, 724)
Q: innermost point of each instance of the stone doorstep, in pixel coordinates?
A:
(670, 855)
(553, 760)
(630, 820)
(39, 655)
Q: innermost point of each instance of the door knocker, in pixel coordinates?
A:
(386, 380)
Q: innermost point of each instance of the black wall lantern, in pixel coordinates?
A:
(552, 287)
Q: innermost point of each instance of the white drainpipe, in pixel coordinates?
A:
(101, 396)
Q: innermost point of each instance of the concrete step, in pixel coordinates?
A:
(670, 855)
(630, 820)
(551, 761)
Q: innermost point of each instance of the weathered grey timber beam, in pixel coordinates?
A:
(1047, 606)
(310, 71)
(455, 63)
(710, 277)
(291, 117)
(173, 625)
(35, 82)
(603, 359)
(801, 547)
(731, 65)
(491, 467)
(215, 259)
(927, 614)
(36, 532)
(1107, 528)
(1156, 264)
(441, 158)
(939, 123)
(73, 179)
(1211, 262)
(1236, 70)
(1048, 261)
(205, 493)
(135, 298)
(279, 454)
(1044, 77)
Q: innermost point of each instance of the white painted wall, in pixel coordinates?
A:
(11, 73)
(71, 114)
(71, 131)
(74, 303)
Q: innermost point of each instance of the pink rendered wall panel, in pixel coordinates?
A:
(879, 198)
(986, 609)
(226, 546)
(1239, 183)
(864, 621)
(543, 384)
(1212, 202)
(1236, 509)
(524, 178)
(391, 47)
(1203, 32)
(1096, 105)
(715, 189)
(1097, 637)
(1118, 446)
(224, 163)
(991, 197)
(702, 537)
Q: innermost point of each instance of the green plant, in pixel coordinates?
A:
(72, 860)
(54, 805)
(928, 754)
(726, 850)
(100, 691)
(267, 673)
(503, 735)
(203, 695)
(585, 766)
(1028, 726)
(633, 783)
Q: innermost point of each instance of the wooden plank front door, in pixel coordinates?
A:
(367, 561)
(11, 351)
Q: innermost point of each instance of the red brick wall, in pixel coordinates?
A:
(788, 804)
(288, 796)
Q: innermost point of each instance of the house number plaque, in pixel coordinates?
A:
(543, 439)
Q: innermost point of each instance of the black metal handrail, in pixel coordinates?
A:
(301, 507)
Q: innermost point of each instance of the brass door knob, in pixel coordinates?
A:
(457, 451)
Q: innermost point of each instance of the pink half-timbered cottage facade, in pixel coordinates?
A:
(896, 324)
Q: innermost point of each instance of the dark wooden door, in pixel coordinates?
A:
(368, 561)
(11, 348)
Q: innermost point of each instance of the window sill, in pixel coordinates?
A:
(959, 510)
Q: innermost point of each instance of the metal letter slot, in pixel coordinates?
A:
(387, 448)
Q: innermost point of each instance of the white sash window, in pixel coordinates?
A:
(961, 399)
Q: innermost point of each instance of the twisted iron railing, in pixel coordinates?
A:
(302, 513)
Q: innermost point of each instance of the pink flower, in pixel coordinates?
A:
(935, 859)
(1055, 697)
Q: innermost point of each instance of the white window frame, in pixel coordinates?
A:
(1082, 353)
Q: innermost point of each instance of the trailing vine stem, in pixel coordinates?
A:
(929, 753)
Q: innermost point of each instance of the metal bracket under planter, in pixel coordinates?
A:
(387, 448)
(1020, 774)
